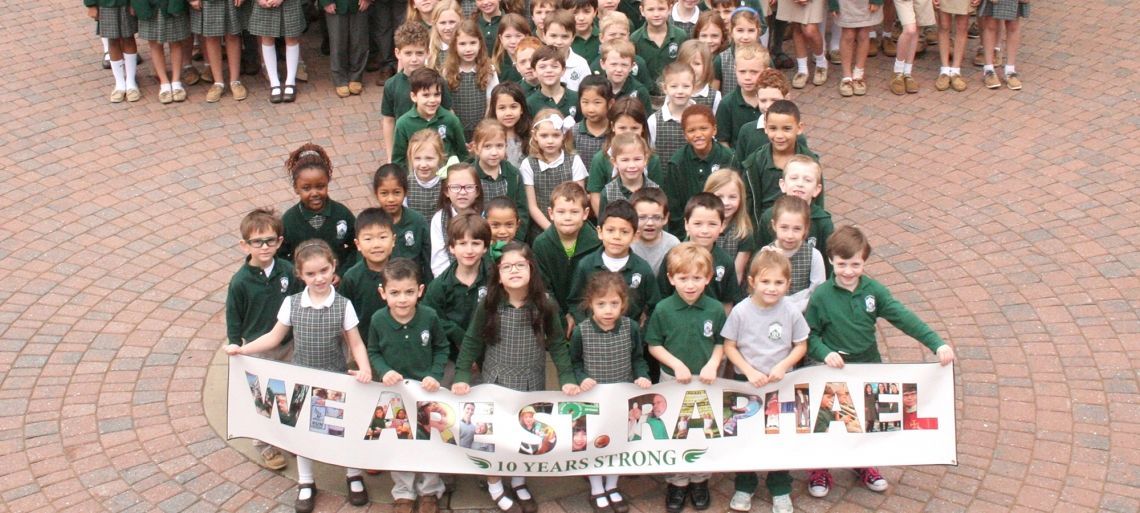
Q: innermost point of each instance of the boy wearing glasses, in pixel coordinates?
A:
(652, 241)
(255, 295)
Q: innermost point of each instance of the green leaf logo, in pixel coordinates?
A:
(692, 455)
(480, 462)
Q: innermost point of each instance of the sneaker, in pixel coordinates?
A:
(991, 80)
(957, 83)
(1012, 82)
(942, 83)
(819, 483)
(238, 90)
(872, 479)
(117, 96)
(911, 84)
(834, 57)
(974, 32)
(215, 93)
(355, 87)
(782, 504)
(898, 84)
(890, 47)
(820, 76)
(179, 95)
(342, 91)
(799, 80)
(741, 501)
(134, 95)
(874, 49)
(190, 75)
(846, 87)
(699, 495)
(675, 498)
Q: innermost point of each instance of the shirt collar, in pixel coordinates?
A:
(703, 93)
(543, 166)
(307, 302)
(676, 15)
(667, 115)
(760, 122)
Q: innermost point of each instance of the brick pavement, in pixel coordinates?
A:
(1004, 220)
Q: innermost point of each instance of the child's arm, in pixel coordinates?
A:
(637, 357)
(439, 259)
(579, 361)
(234, 301)
(399, 153)
(785, 365)
(817, 323)
(680, 370)
(388, 129)
(595, 202)
(263, 343)
(560, 353)
(732, 352)
(906, 321)
(578, 171)
(708, 372)
(459, 144)
(469, 352)
(739, 264)
(359, 355)
(441, 349)
(537, 216)
(436, 298)
(375, 350)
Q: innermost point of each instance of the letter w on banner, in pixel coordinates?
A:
(816, 417)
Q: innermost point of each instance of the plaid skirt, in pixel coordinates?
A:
(1006, 10)
(116, 23)
(217, 18)
(285, 20)
(164, 28)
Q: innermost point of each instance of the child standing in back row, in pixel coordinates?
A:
(469, 75)
(118, 26)
(791, 222)
(271, 19)
(347, 23)
(658, 41)
(158, 25)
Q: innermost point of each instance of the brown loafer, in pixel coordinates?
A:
(343, 92)
(355, 87)
(429, 504)
(403, 506)
(117, 96)
(238, 90)
(898, 84)
(859, 87)
(357, 498)
(911, 84)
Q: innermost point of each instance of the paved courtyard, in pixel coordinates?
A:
(1007, 220)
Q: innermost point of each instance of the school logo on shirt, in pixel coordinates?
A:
(482, 293)
(409, 239)
(633, 94)
(714, 168)
(442, 131)
(633, 70)
(719, 273)
(284, 284)
(575, 76)
(811, 242)
(635, 280)
(341, 229)
(672, 50)
(573, 111)
(708, 328)
(869, 304)
(425, 337)
(775, 331)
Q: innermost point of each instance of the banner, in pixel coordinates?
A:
(816, 417)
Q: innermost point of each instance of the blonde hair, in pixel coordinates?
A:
(624, 49)
(436, 39)
(413, 15)
(689, 257)
(483, 68)
(613, 18)
(740, 220)
(425, 137)
(753, 51)
(690, 49)
(567, 137)
(767, 260)
(621, 141)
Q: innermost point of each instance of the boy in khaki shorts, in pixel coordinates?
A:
(952, 13)
(911, 15)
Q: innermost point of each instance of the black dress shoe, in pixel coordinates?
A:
(357, 498)
(675, 498)
(306, 506)
(699, 494)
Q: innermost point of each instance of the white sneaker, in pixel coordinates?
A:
(741, 501)
(782, 504)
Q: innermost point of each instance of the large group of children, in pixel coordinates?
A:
(477, 44)
(532, 206)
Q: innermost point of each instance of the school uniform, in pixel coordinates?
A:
(752, 137)
(762, 180)
(724, 69)
(724, 286)
(397, 98)
(490, 30)
(586, 143)
(686, 176)
(732, 245)
(455, 302)
(807, 13)
(1005, 10)
(412, 239)
(423, 197)
(807, 273)
(361, 285)
(508, 184)
(441, 257)
(507, 70)
(417, 349)
(678, 20)
(689, 332)
(637, 72)
(348, 41)
(666, 135)
(529, 89)
(162, 21)
(633, 89)
(708, 97)
(602, 171)
(820, 230)
(857, 13)
(608, 356)
(632, 10)
(732, 114)
(516, 360)
(555, 263)
(285, 20)
(577, 69)
(957, 7)
(638, 276)
(587, 47)
(444, 122)
(254, 297)
(844, 321)
(916, 12)
(334, 224)
(567, 105)
(654, 253)
(657, 56)
(115, 19)
(615, 190)
(545, 176)
(383, 18)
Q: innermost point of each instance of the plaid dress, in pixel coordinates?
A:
(494, 189)
(116, 23)
(165, 28)
(517, 361)
(670, 136)
(584, 142)
(728, 72)
(801, 267)
(729, 242)
(317, 334)
(546, 181)
(708, 100)
(606, 355)
(285, 20)
(1006, 10)
(469, 102)
(614, 191)
(218, 18)
(421, 199)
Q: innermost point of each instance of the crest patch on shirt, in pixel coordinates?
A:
(425, 337)
(672, 50)
(442, 131)
(633, 70)
(775, 331)
(811, 241)
(482, 293)
(341, 229)
(409, 239)
(714, 168)
(708, 329)
(574, 75)
(869, 304)
(284, 284)
(719, 273)
(573, 111)
(635, 280)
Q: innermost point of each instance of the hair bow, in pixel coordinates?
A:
(564, 125)
(451, 161)
(744, 8)
(497, 249)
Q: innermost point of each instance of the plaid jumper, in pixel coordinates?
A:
(729, 242)
(217, 18)
(584, 142)
(469, 102)
(670, 136)
(728, 82)
(517, 361)
(615, 191)
(801, 267)
(317, 334)
(285, 20)
(546, 180)
(116, 23)
(606, 355)
(423, 200)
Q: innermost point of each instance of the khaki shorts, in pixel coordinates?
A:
(915, 12)
(954, 6)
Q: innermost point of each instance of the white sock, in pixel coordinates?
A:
(168, 88)
(801, 65)
(989, 68)
(120, 72)
(899, 66)
(304, 470)
(269, 55)
(955, 71)
(944, 70)
(907, 68)
(292, 56)
(174, 86)
(597, 485)
(131, 61)
(496, 490)
(522, 494)
(886, 35)
(106, 45)
(612, 482)
(1009, 68)
(220, 84)
(874, 34)
(821, 60)
(857, 74)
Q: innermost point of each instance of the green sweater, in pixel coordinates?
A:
(556, 268)
(844, 321)
(253, 299)
(361, 285)
(686, 176)
(474, 346)
(338, 230)
(762, 180)
(417, 349)
(643, 290)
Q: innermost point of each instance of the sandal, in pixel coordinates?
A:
(528, 505)
(305, 506)
(272, 459)
(275, 95)
(594, 503)
(514, 506)
(289, 94)
(620, 505)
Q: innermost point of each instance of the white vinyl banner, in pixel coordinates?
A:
(816, 417)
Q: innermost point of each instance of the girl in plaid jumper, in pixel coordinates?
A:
(469, 75)
(425, 156)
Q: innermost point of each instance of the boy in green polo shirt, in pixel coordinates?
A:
(617, 228)
(763, 169)
(586, 41)
(657, 41)
(617, 59)
(412, 40)
(842, 314)
(549, 64)
(406, 341)
(704, 220)
(426, 92)
(361, 283)
(614, 26)
(771, 86)
(742, 106)
(565, 243)
(255, 295)
(454, 293)
(684, 335)
(803, 177)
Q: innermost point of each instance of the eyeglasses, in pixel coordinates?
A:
(261, 243)
(461, 188)
(652, 219)
(517, 266)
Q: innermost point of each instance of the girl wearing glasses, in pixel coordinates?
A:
(513, 328)
(459, 192)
